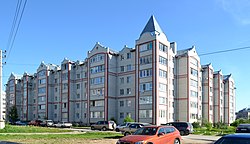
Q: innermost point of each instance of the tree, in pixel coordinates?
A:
(13, 116)
(128, 119)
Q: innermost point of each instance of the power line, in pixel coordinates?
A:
(14, 23)
(17, 28)
(223, 51)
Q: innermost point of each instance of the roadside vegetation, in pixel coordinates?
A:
(30, 129)
(217, 129)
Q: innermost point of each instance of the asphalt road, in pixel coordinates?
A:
(199, 139)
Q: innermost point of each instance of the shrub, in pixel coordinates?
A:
(128, 119)
(196, 124)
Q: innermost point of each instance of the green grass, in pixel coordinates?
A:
(87, 135)
(214, 131)
(30, 129)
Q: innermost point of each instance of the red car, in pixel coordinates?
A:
(35, 122)
(153, 135)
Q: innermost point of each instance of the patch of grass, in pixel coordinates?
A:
(214, 131)
(88, 135)
(30, 129)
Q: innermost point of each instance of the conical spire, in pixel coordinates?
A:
(152, 26)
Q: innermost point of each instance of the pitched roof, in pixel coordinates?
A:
(152, 26)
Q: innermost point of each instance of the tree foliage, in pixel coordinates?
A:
(13, 116)
(128, 119)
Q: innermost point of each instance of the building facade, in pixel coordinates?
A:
(218, 97)
(150, 83)
(188, 86)
(207, 93)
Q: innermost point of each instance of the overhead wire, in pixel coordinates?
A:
(17, 28)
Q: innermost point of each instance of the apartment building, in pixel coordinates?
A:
(207, 93)
(188, 86)
(150, 83)
(218, 94)
(229, 99)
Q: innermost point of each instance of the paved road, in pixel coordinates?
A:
(199, 139)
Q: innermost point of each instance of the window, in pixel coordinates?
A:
(145, 113)
(162, 113)
(162, 73)
(65, 86)
(129, 67)
(162, 47)
(41, 99)
(145, 100)
(162, 60)
(97, 80)
(162, 87)
(97, 69)
(129, 79)
(194, 72)
(128, 103)
(194, 83)
(78, 76)
(145, 87)
(55, 89)
(41, 90)
(121, 91)
(77, 115)
(128, 91)
(194, 93)
(121, 103)
(162, 100)
(55, 107)
(77, 105)
(146, 60)
(122, 80)
(78, 95)
(97, 58)
(193, 104)
(65, 76)
(145, 73)
(42, 81)
(122, 68)
(77, 86)
(121, 115)
(42, 73)
(128, 55)
(122, 57)
(64, 105)
(145, 47)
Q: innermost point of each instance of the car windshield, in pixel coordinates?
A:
(234, 141)
(146, 131)
(124, 124)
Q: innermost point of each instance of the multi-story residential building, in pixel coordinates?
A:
(3, 105)
(207, 93)
(150, 83)
(154, 75)
(188, 86)
(218, 97)
(229, 99)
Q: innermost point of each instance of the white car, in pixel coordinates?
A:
(63, 125)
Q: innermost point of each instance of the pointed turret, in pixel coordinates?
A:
(152, 26)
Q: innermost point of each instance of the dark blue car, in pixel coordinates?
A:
(239, 138)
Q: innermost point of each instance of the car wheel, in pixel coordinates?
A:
(176, 141)
(104, 128)
(117, 130)
(181, 133)
(92, 128)
(126, 133)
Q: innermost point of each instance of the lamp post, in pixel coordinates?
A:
(2, 123)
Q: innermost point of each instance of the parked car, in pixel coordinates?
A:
(131, 128)
(35, 122)
(238, 138)
(121, 126)
(104, 125)
(22, 123)
(185, 128)
(153, 135)
(47, 123)
(63, 125)
(243, 128)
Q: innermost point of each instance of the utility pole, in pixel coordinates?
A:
(2, 122)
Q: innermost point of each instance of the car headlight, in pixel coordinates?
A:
(139, 142)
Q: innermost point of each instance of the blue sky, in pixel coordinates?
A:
(51, 30)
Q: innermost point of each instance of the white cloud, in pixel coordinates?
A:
(239, 9)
